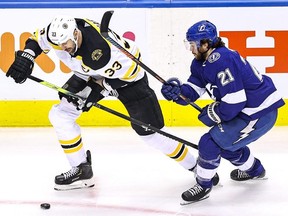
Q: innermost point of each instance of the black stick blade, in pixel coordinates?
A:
(105, 21)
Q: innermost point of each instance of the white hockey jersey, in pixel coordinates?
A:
(96, 57)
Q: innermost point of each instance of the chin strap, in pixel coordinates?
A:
(76, 42)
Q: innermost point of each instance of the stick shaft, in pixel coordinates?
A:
(132, 120)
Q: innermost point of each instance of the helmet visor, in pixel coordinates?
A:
(189, 45)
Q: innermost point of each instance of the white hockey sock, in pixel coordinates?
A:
(172, 148)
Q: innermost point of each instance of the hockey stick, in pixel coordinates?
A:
(132, 120)
(104, 31)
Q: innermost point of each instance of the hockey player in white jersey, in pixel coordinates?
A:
(245, 108)
(99, 70)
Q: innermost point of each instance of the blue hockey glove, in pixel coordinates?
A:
(172, 89)
(208, 116)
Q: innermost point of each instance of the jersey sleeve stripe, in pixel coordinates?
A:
(235, 97)
(200, 91)
(273, 98)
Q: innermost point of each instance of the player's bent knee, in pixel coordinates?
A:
(207, 146)
(55, 116)
(52, 115)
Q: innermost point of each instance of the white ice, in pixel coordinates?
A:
(132, 178)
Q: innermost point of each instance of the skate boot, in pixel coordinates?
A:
(195, 194)
(238, 175)
(215, 179)
(76, 178)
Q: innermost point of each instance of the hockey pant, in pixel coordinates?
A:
(232, 146)
(142, 104)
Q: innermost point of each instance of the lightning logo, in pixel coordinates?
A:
(247, 130)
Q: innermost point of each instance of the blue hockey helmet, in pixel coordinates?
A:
(200, 31)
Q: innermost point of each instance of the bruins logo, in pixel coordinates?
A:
(96, 55)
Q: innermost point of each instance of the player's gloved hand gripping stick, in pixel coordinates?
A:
(134, 121)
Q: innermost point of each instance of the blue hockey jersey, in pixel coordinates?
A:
(238, 87)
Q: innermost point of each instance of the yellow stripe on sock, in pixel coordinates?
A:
(69, 142)
(176, 151)
(183, 155)
(73, 150)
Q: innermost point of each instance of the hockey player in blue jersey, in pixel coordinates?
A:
(245, 107)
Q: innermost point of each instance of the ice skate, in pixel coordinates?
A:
(238, 175)
(76, 178)
(195, 194)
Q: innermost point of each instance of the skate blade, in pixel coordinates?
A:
(75, 185)
(264, 178)
(253, 179)
(184, 202)
(220, 185)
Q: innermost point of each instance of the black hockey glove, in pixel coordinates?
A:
(81, 88)
(94, 96)
(75, 84)
(22, 67)
(97, 92)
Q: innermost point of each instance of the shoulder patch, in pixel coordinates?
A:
(214, 57)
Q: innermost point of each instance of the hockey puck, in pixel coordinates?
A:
(45, 205)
